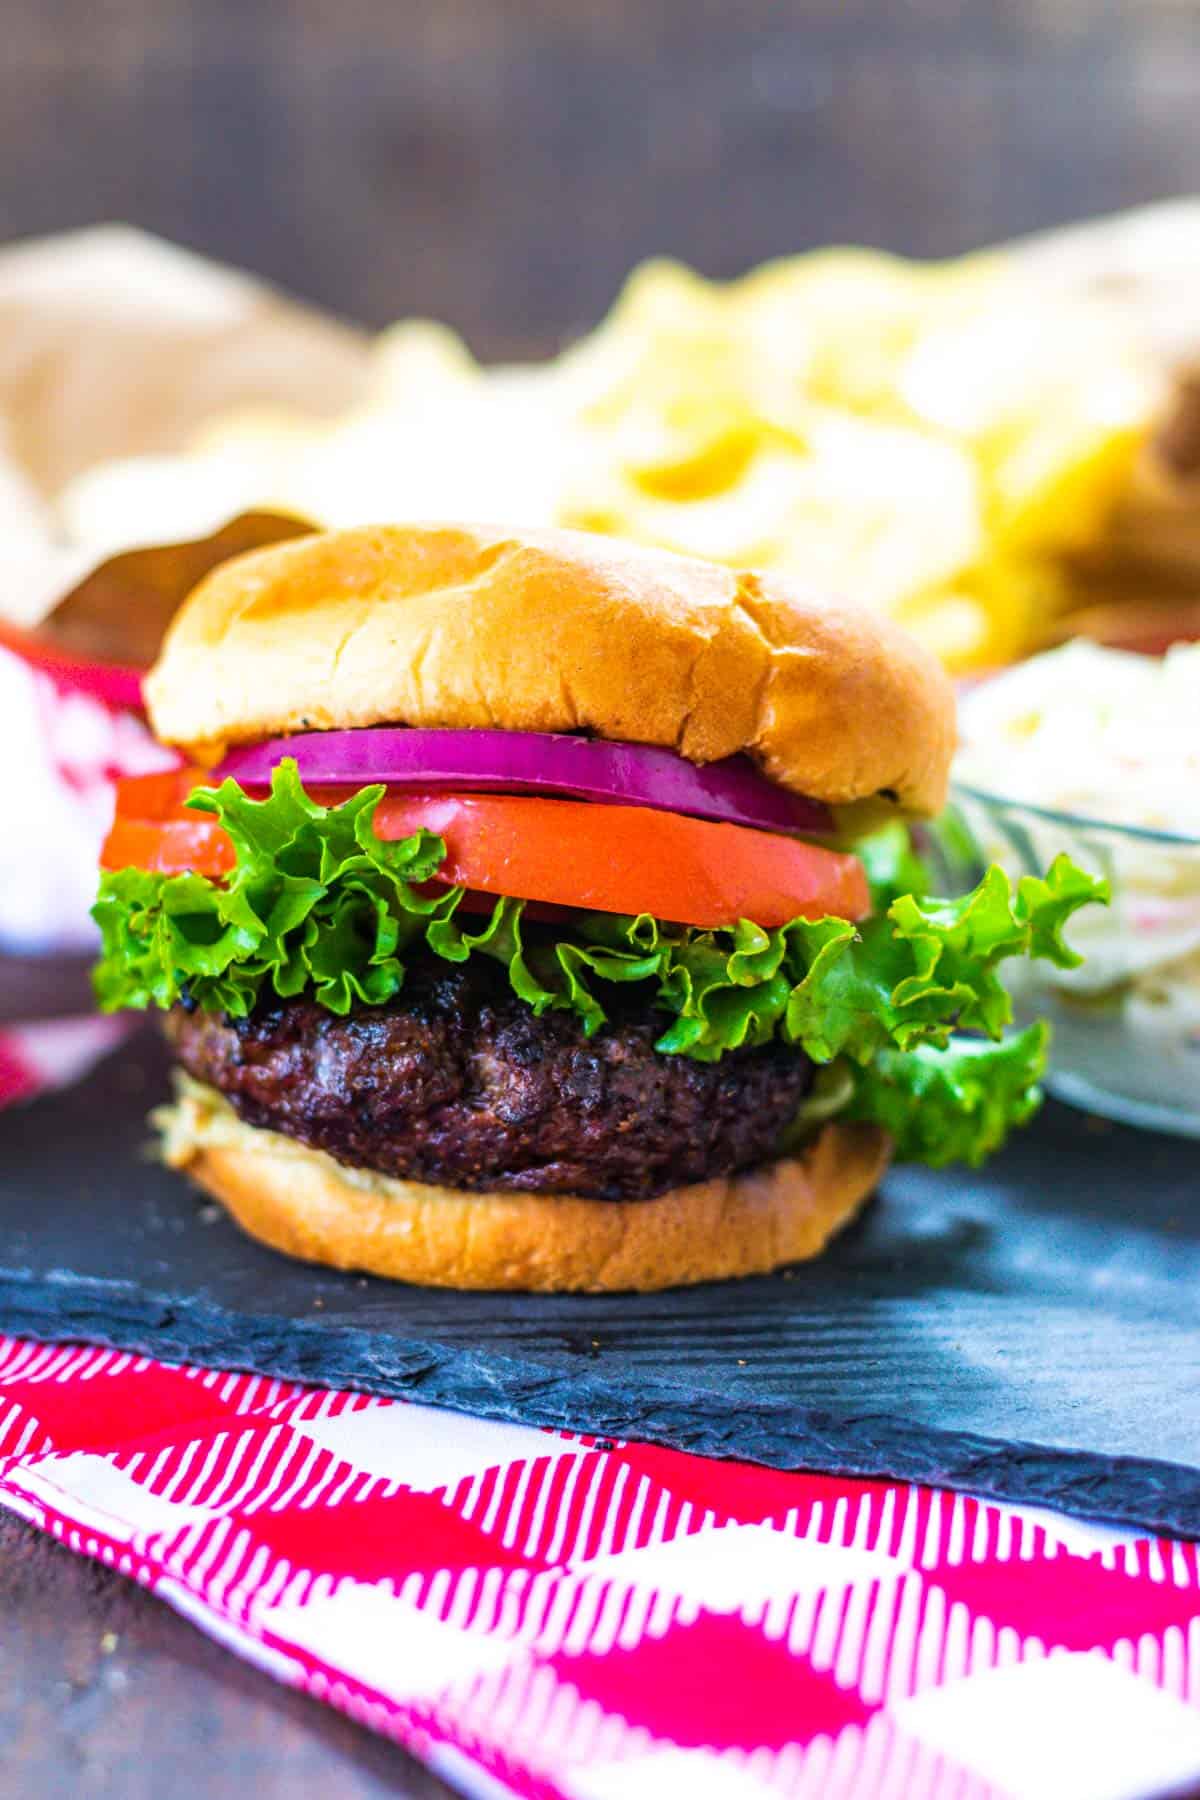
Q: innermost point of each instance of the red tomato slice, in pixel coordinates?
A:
(169, 846)
(574, 854)
(153, 829)
(629, 859)
(160, 795)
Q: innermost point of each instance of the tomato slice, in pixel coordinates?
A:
(169, 846)
(154, 830)
(160, 795)
(575, 854)
(629, 859)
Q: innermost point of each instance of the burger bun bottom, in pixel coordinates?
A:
(304, 1203)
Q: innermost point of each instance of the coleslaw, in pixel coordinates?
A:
(1097, 752)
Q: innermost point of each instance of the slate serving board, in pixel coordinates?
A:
(1031, 1332)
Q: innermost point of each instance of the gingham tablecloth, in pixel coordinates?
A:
(545, 1615)
(539, 1614)
(64, 750)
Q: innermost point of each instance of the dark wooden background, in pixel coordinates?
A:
(502, 163)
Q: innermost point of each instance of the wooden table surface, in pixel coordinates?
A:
(106, 1694)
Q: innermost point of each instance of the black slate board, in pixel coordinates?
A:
(1030, 1332)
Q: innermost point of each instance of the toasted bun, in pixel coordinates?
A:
(302, 1202)
(458, 626)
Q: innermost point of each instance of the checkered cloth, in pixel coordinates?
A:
(68, 749)
(547, 1615)
(38, 1057)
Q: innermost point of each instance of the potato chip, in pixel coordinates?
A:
(1053, 400)
(941, 441)
(834, 325)
(954, 624)
(141, 500)
(747, 523)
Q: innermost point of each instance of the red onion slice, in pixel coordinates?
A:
(519, 762)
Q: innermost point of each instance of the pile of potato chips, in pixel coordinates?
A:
(939, 441)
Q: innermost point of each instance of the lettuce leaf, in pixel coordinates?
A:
(953, 1105)
(318, 905)
(893, 865)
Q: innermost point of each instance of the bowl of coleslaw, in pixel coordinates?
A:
(1097, 752)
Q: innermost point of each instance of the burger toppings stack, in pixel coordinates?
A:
(534, 911)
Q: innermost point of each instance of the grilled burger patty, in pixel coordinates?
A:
(456, 1082)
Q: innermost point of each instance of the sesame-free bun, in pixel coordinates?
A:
(456, 626)
(304, 1203)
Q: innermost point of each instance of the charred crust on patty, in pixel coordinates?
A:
(457, 1082)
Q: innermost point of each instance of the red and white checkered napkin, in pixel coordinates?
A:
(545, 1615)
(36, 1058)
(66, 748)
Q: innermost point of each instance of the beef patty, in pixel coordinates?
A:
(456, 1082)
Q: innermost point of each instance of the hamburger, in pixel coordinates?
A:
(532, 911)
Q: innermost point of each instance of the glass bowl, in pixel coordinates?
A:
(1127, 1022)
